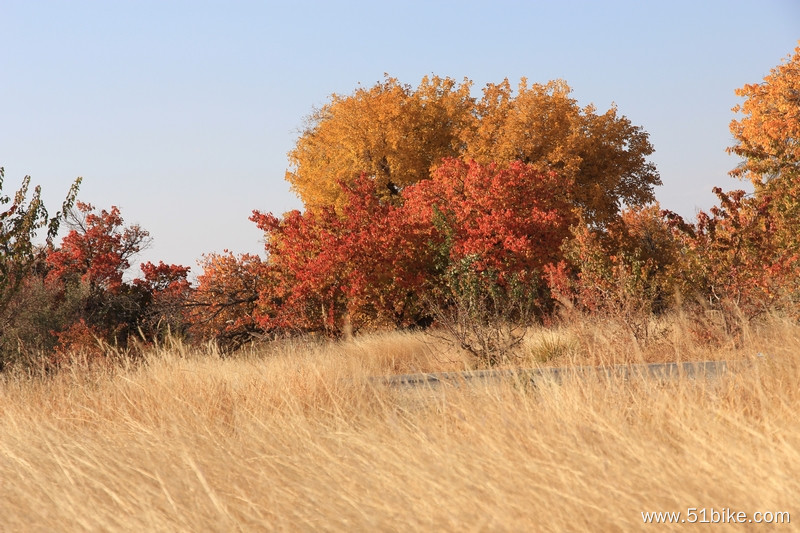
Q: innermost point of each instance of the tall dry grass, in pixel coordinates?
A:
(296, 437)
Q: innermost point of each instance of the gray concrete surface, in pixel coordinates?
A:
(698, 369)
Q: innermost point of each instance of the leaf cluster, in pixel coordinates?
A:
(396, 136)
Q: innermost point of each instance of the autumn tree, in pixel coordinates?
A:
(164, 291)
(768, 134)
(743, 255)
(511, 220)
(90, 263)
(736, 259)
(628, 273)
(363, 267)
(495, 228)
(392, 133)
(231, 294)
(396, 136)
(24, 299)
(57, 300)
(98, 248)
(602, 157)
(372, 264)
(768, 139)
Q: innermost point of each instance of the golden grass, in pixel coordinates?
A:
(296, 437)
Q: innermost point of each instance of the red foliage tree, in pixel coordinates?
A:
(89, 267)
(370, 263)
(97, 250)
(164, 290)
(510, 220)
(227, 303)
(361, 268)
(736, 255)
(78, 340)
(628, 271)
(163, 278)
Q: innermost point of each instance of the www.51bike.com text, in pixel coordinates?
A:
(694, 515)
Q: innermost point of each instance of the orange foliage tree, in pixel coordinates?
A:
(395, 136)
(768, 134)
(604, 156)
(227, 302)
(745, 253)
(768, 138)
(390, 132)
(628, 272)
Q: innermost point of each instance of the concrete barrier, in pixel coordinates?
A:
(697, 369)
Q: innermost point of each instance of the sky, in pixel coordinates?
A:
(181, 113)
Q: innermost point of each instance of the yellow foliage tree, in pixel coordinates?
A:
(397, 135)
(601, 158)
(389, 132)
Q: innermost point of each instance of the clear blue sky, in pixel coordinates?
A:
(182, 113)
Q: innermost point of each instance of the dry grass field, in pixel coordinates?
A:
(295, 437)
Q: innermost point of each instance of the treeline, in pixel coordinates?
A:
(427, 207)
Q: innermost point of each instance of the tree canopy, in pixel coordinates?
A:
(768, 138)
(391, 132)
(746, 251)
(397, 135)
(768, 134)
(603, 154)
